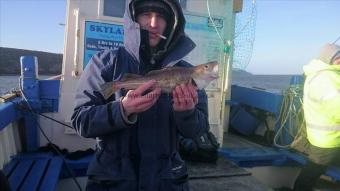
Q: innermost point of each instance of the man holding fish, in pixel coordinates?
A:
(137, 100)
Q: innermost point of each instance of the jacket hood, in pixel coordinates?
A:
(132, 33)
(317, 65)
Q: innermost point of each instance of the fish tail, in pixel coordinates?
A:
(109, 88)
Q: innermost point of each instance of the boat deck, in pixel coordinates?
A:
(271, 166)
(224, 175)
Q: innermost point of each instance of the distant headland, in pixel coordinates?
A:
(49, 63)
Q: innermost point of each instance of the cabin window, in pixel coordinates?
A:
(114, 8)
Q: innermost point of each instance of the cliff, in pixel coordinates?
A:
(49, 63)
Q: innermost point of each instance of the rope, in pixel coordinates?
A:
(289, 119)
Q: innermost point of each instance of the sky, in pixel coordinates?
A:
(288, 33)
(33, 24)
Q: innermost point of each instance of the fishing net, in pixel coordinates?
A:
(245, 24)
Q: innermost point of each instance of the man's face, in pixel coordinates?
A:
(155, 24)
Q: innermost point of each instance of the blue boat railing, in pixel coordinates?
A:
(24, 167)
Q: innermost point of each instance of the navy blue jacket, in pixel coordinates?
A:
(145, 153)
(139, 154)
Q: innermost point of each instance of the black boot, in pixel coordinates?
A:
(308, 176)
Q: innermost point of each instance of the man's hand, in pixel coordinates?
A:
(184, 97)
(134, 102)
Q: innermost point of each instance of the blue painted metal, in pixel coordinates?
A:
(243, 122)
(19, 174)
(9, 167)
(30, 88)
(9, 113)
(31, 130)
(297, 79)
(257, 98)
(37, 170)
(46, 100)
(29, 79)
(231, 102)
(298, 158)
(49, 95)
(250, 157)
(52, 174)
(42, 96)
(34, 155)
(34, 171)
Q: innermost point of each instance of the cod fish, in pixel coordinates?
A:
(166, 79)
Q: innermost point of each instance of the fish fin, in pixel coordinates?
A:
(192, 82)
(109, 88)
(152, 72)
(129, 76)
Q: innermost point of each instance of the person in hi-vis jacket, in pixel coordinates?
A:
(321, 104)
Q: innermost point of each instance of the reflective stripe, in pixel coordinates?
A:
(330, 95)
(324, 127)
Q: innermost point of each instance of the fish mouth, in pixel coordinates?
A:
(215, 69)
(211, 78)
(214, 76)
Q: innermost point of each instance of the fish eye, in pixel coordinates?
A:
(206, 66)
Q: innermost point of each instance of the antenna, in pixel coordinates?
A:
(336, 40)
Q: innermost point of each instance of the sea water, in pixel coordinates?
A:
(9, 83)
(271, 83)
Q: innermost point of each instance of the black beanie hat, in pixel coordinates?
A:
(153, 6)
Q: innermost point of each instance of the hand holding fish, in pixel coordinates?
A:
(135, 102)
(184, 97)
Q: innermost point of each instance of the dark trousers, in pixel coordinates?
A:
(320, 158)
(4, 185)
(309, 176)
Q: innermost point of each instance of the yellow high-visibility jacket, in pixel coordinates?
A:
(321, 103)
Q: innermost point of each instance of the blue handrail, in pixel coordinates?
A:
(9, 113)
